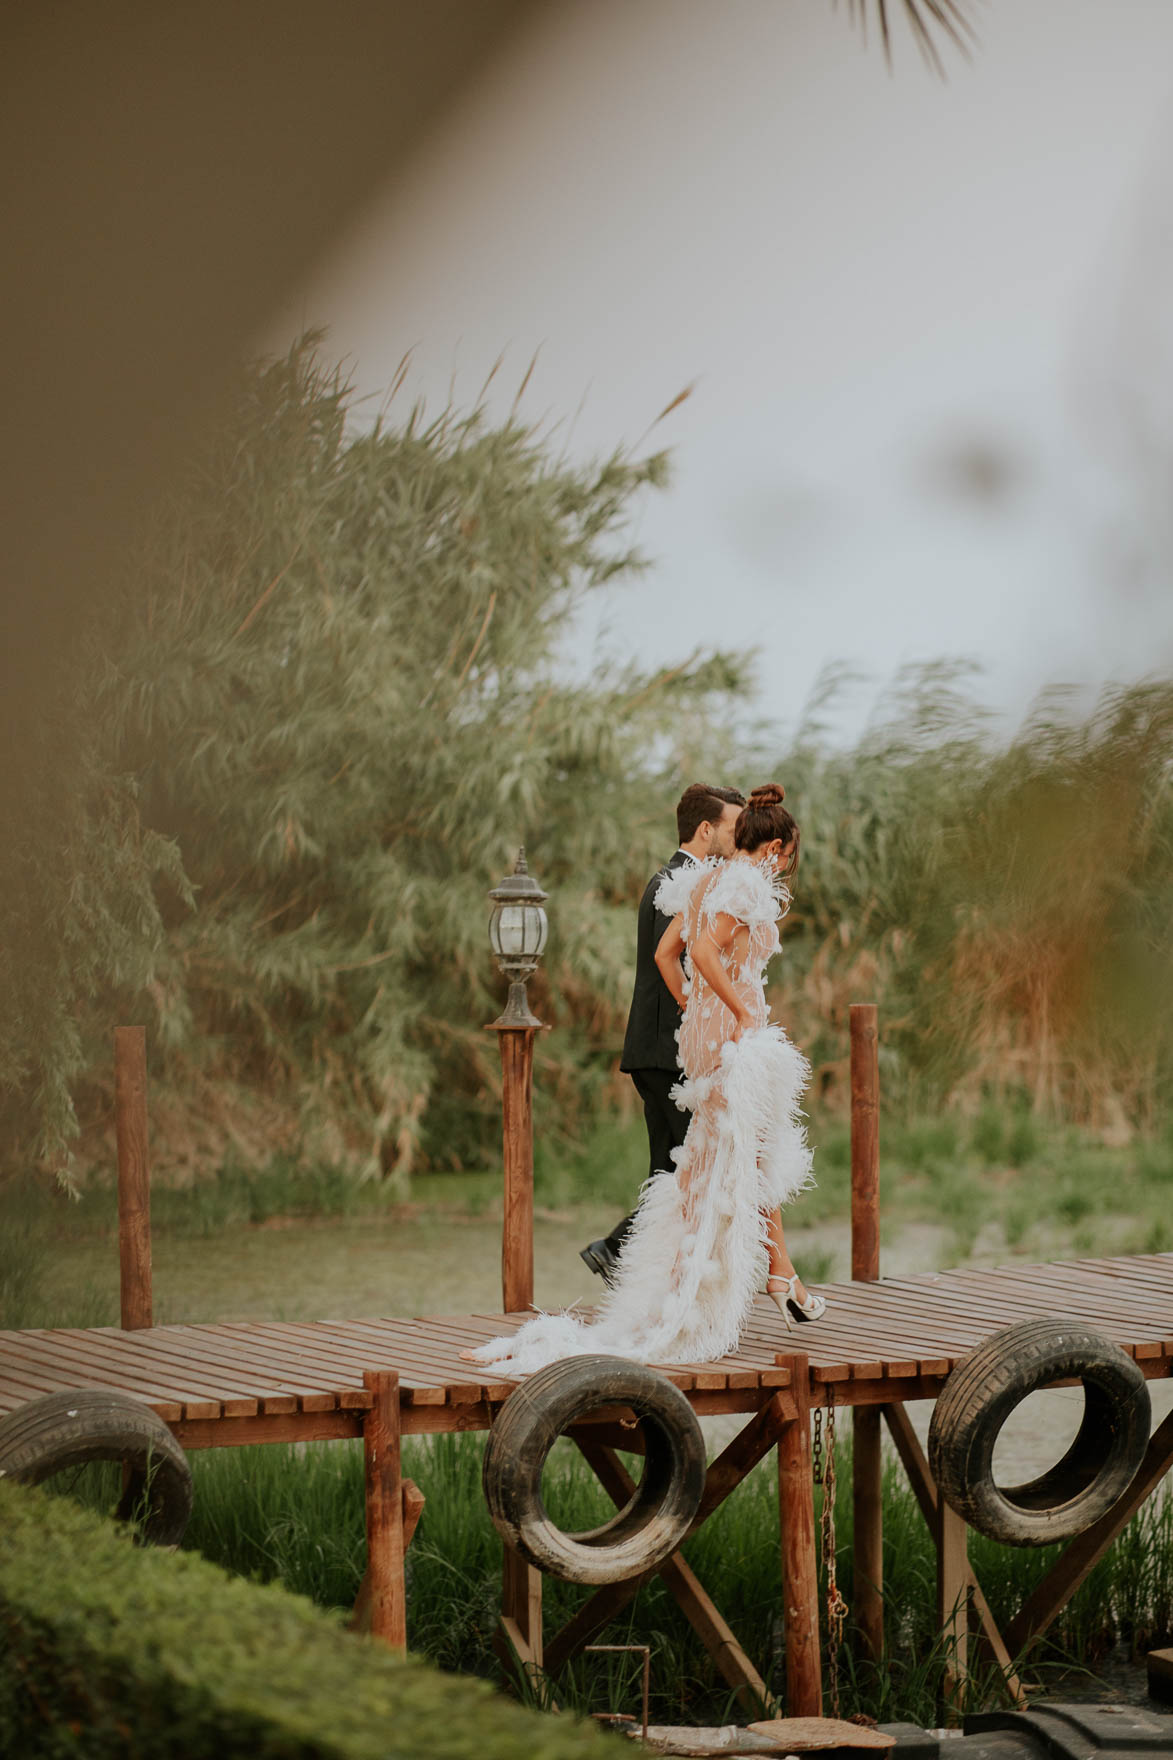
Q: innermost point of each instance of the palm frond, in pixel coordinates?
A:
(928, 20)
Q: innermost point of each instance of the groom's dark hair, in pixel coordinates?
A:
(700, 801)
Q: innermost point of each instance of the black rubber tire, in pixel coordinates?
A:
(65, 1430)
(1097, 1469)
(651, 1526)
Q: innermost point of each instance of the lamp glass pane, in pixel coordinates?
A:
(543, 930)
(511, 921)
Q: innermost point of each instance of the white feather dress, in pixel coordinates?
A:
(695, 1255)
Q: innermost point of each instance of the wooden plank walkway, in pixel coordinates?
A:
(894, 1340)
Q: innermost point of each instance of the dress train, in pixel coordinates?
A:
(693, 1259)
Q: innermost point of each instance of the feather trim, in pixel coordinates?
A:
(747, 891)
(693, 1260)
(677, 887)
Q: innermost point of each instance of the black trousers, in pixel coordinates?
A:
(667, 1125)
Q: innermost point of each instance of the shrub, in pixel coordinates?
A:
(112, 1650)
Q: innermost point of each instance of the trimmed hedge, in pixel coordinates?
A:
(108, 1649)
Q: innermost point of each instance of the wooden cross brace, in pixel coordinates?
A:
(1086, 1550)
(412, 1499)
(958, 1592)
(783, 1421)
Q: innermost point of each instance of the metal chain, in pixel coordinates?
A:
(836, 1606)
(817, 1446)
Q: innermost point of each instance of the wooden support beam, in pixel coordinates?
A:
(517, 1234)
(384, 1509)
(441, 1420)
(718, 1638)
(866, 1460)
(195, 1433)
(521, 1612)
(1085, 1552)
(800, 1578)
(751, 1445)
(917, 1467)
(953, 1580)
(134, 1177)
(867, 1471)
(740, 1456)
(610, 1436)
(413, 1509)
(698, 1607)
(602, 1607)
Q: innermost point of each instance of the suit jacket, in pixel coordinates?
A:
(650, 1041)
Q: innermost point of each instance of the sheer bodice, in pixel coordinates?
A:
(707, 1022)
(694, 1256)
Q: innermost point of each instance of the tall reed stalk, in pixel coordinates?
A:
(297, 1514)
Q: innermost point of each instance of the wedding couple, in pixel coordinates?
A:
(727, 1143)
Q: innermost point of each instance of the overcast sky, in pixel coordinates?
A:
(925, 321)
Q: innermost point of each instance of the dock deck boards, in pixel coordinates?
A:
(893, 1339)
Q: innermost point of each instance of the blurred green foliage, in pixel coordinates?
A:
(1007, 901)
(294, 1515)
(111, 1649)
(314, 730)
(286, 763)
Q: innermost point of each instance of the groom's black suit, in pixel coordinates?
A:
(649, 1046)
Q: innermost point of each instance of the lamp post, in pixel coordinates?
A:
(517, 935)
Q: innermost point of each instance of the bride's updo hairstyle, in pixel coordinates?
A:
(763, 819)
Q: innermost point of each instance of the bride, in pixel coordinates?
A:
(692, 1261)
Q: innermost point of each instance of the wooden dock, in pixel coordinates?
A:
(882, 1342)
(888, 1341)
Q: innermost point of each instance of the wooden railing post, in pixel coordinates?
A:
(517, 1235)
(517, 935)
(866, 1462)
(865, 1143)
(384, 1509)
(134, 1176)
(796, 1522)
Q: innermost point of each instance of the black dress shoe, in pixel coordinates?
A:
(601, 1258)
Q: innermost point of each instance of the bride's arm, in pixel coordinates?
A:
(706, 950)
(668, 958)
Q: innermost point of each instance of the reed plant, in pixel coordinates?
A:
(1020, 1185)
(285, 764)
(988, 1186)
(295, 1514)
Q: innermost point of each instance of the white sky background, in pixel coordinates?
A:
(865, 275)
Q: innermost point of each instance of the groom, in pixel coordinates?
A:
(705, 818)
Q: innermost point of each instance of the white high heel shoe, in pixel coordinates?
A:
(787, 1304)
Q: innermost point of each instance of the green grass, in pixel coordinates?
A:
(1037, 1189)
(295, 1515)
(234, 1196)
(1002, 1175)
(277, 1242)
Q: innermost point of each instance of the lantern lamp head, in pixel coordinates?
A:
(517, 935)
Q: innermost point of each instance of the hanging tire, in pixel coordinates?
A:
(64, 1430)
(1097, 1469)
(655, 1520)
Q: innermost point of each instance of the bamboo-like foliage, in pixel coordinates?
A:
(928, 21)
(285, 766)
(1009, 902)
(329, 707)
